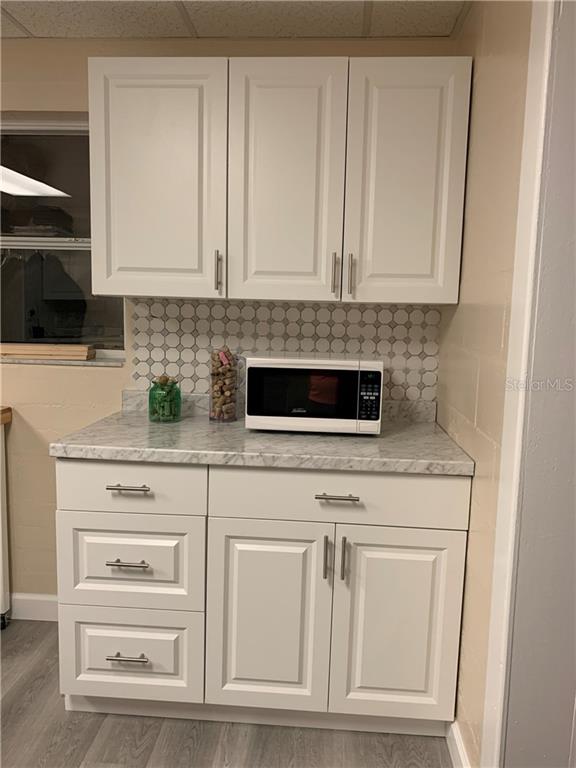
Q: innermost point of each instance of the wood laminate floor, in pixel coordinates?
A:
(38, 733)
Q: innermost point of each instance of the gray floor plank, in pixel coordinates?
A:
(26, 702)
(196, 744)
(184, 743)
(37, 732)
(271, 747)
(416, 752)
(23, 643)
(66, 740)
(317, 748)
(124, 740)
(233, 746)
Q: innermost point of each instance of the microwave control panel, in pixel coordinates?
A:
(370, 394)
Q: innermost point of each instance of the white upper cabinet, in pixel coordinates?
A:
(405, 172)
(395, 628)
(158, 176)
(295, 179)
(287, 141)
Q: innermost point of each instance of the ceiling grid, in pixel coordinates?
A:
(231, 18)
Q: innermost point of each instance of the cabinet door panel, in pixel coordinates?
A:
(158, 175)
(406, 159)
(396, 622)
(268, 614)
(286, 182)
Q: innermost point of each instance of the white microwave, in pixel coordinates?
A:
(313, 394)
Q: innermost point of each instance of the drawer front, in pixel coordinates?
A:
(148, 561)
(112, 486)
(131, 654)
(415, 501)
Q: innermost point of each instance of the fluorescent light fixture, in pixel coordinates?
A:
(14, 183)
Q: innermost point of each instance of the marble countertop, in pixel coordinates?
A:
(417, 448)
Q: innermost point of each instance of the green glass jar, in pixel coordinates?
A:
(164, 400)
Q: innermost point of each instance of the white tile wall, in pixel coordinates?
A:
(175, 337)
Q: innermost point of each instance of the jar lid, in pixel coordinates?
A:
(164, 380)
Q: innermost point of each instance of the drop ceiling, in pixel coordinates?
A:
(230, 18)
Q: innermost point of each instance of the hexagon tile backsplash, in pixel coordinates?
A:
(176, 337)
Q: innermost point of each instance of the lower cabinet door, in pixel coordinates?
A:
(268, 613)
(396, 623)
(131, 653)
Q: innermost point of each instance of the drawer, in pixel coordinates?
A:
(131, 653)
(161, 560)
(122, 486)
(370, 498)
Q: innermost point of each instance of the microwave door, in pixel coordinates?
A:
(305, 393)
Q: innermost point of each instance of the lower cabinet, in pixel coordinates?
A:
(269, 605)
(396, 623)
(389, 649)
(324, 614)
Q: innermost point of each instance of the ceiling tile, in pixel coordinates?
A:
(99, 18)
(9, 29)
(428, 18)
(276, 18)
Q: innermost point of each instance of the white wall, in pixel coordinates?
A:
(47, 402)
(542, 675)
(474, 335)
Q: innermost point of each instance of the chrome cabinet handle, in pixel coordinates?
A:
(350, 273)
(343, 559)
(217, 281)
(325, 560)
(333, 497)
(142, 659)
(129, 488)
(333, 284)
(121, 564)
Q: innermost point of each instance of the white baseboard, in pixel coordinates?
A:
(35, 607)
(456, 747)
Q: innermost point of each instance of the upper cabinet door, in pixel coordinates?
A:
(286, 177)
(396, 622)
(158, 176)
(405, 172)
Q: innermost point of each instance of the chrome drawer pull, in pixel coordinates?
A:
(142, 659)
(332, 497)
(120, 564)
(129, 488)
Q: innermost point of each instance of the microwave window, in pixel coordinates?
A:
(303, 393)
